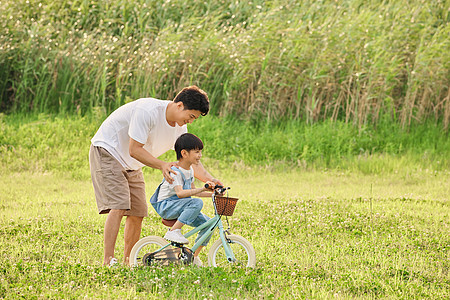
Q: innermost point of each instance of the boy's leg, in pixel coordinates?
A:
(201, 218)
(184, 210)
(177, 225)
(191, 214)
(199, 249)
(191, 208)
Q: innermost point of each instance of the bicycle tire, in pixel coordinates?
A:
(153, 243)
(242, 249)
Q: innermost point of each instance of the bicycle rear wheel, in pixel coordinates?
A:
(144, 246)
(242, 249)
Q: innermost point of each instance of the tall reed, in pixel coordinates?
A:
(354, 60)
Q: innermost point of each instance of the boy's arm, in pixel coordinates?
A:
(199, 192)
(201, 174)
(188, 193)
(203, 194)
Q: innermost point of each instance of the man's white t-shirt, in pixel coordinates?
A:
(168, 189)
(143, 120)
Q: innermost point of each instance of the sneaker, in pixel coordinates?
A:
(176, 236)
(197, 262)
(113, 262)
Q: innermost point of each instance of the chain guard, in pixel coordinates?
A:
(177, 256)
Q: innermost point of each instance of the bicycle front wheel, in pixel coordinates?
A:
(242, 249)
(144, 246)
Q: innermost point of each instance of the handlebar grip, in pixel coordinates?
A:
(216, 187)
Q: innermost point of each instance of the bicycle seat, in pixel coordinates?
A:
(168, 223)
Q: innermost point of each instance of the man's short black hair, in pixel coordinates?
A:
(188, 142)
(193, 98)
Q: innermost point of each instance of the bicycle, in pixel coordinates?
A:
(229, 248)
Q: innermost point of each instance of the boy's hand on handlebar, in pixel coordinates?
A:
(209, 185)
(218, 189)
(214, 184)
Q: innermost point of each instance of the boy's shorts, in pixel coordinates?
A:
(115, 187)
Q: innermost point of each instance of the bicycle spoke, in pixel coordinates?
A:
(239, 252)
(143, 247)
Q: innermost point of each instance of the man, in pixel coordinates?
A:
(134, 136)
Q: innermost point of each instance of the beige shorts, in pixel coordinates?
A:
(115, 187)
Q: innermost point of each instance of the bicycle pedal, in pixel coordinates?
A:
(178, 245)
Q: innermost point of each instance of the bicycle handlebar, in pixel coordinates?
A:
(218, 188)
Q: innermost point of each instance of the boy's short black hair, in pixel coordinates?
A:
(193, 98)
(188, 142)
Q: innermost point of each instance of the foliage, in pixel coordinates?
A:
(43, 143)
(354, 61)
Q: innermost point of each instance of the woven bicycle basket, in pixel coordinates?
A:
(225, 205)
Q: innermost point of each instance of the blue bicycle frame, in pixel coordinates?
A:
(211, 224)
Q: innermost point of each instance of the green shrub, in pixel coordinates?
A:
(44, 143)
(353, 61)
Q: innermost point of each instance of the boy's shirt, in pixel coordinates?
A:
(168, 189)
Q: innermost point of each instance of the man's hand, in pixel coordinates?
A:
(217, 181)
(201, 174)
(166, 170)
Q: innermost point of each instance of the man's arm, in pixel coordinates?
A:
(138, 152)
(201, 174)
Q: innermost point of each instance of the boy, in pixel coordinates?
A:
(173, 200)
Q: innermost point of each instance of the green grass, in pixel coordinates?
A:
(316, 235)
(343, 223)
(353, 61)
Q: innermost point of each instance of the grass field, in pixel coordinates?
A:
(316, 235)
(339, 223)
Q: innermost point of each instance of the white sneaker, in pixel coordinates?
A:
(197, 262)
(176, 236)
(113, 262)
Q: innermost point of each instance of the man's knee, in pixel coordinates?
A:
(135, 219)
